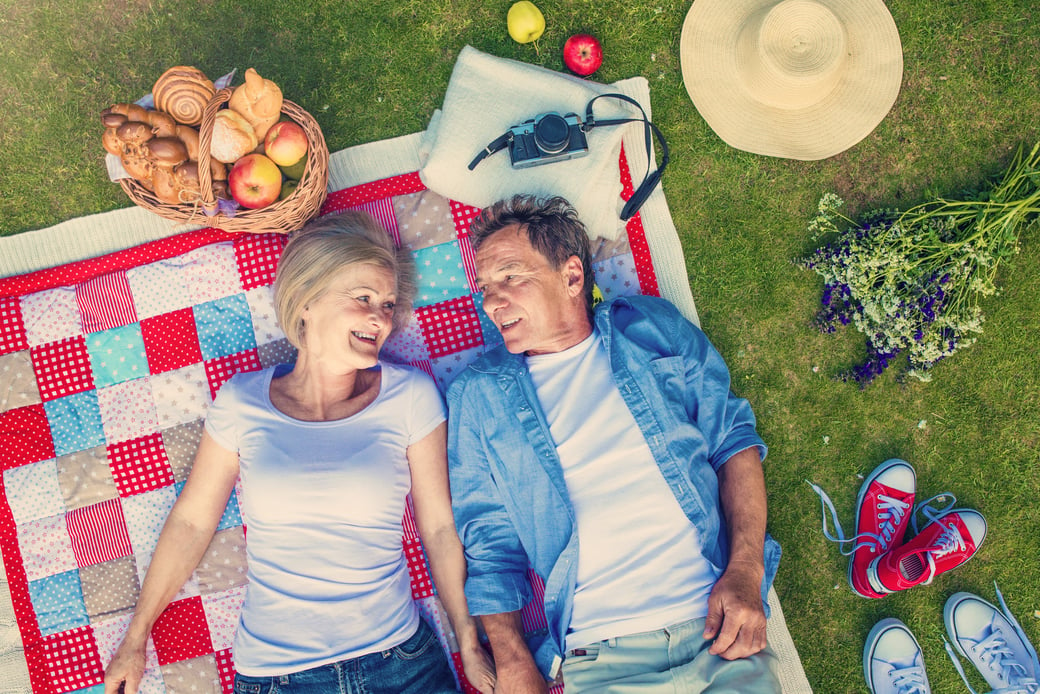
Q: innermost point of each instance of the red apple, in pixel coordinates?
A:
(255, 181)
(582, 54)
(285, 143)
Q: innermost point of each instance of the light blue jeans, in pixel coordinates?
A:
(668, 661)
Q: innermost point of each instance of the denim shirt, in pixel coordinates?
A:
(510, 501)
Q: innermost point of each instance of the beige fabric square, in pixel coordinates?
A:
(424, 219)
(604, 249)
(85, 478)
(17, 381)
(192, 676)
(110, 589)
(181, 443)
(277, 352)
(223, 566)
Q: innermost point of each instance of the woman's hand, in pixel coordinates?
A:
(125, 671)
(479, 668)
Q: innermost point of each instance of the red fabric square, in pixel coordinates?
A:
(62, 367)
(422, 585)
(463, 215)
(408, 525)
(140, 465)
(403, 184)
(105, 302)
(171, 341)
(257, 257)
(226, 670)
(220, 370)
(25, 437)
(12, 327)
(450, 326)
(181, 632)
(98, 533)
(71, 657)
(467, 688)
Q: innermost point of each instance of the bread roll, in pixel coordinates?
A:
(259, 100)
(233, 137)
(183, 92)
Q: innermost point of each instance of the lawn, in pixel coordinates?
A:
(377, 69)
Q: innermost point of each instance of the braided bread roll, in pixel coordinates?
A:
(183, 92)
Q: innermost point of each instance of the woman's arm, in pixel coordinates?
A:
(431, 497)
(184, 539)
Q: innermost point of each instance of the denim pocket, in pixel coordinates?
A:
(253, 685)
(577, 656)
(417, 645)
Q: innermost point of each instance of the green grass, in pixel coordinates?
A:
(377, 69)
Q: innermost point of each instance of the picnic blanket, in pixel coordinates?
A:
(117, 329)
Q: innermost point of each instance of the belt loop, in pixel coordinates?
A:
(283, 680)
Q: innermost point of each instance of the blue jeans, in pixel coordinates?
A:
(417, 666)
(666, 661)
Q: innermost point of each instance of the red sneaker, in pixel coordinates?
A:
(883, 512)
(948, 541)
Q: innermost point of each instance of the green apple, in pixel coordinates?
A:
(288, 188)
(295, 171)
(525, 22)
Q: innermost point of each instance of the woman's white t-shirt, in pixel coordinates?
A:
(322, 503)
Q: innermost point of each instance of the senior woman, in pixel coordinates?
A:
(327, 449)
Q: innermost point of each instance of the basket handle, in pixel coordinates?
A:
(209, 115)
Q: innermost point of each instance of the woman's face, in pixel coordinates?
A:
(346, 326)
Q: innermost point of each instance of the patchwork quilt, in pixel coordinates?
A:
(107, 366)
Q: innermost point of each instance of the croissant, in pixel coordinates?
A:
(183, 92)
(259, 101)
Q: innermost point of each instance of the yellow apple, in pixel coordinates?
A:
(525, 22)
(285, 143)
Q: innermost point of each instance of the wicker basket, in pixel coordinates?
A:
(282, 216)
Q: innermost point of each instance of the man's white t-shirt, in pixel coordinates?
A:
(322, 503)
(640, 565)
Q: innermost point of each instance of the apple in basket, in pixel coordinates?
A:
(286, 143)
(255, 181)
(582, 54)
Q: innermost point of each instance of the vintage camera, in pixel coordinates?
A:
(547, 138)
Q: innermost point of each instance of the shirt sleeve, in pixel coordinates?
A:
(496, 580)
(427, 406)
(222, 420)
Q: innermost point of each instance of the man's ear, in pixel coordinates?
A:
(574, 273)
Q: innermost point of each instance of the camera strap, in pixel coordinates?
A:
(651, 178)
(496, 145)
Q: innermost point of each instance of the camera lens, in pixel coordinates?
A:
(551, 133)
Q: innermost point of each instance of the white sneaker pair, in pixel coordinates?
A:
(990, 639)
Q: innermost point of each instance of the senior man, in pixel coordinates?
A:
(603, 448)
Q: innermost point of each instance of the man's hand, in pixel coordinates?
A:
(479, 669)
(520, 677)
(125, 671)
(736, 619)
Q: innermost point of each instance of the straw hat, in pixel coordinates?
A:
(802, 79)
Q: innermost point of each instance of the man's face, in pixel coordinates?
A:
(538, 310)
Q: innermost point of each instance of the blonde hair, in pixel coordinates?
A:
(324, 247)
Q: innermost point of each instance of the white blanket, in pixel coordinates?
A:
(486, 95)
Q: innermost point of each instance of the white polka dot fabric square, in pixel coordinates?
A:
(50, 316)
(158, 288)
(222, 615)
(261, 308)
(33, 491)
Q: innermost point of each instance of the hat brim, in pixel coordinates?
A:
(846, 110)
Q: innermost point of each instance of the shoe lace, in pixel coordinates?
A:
(909, 680)
(993, 650)
(890, 512)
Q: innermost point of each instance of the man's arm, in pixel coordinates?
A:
(736, 619)
(514, 664)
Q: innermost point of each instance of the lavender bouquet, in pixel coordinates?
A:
(911, 281)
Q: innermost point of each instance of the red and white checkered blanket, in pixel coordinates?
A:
(107, 366)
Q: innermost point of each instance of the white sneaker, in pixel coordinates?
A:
(892, 660)
(993, 641)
